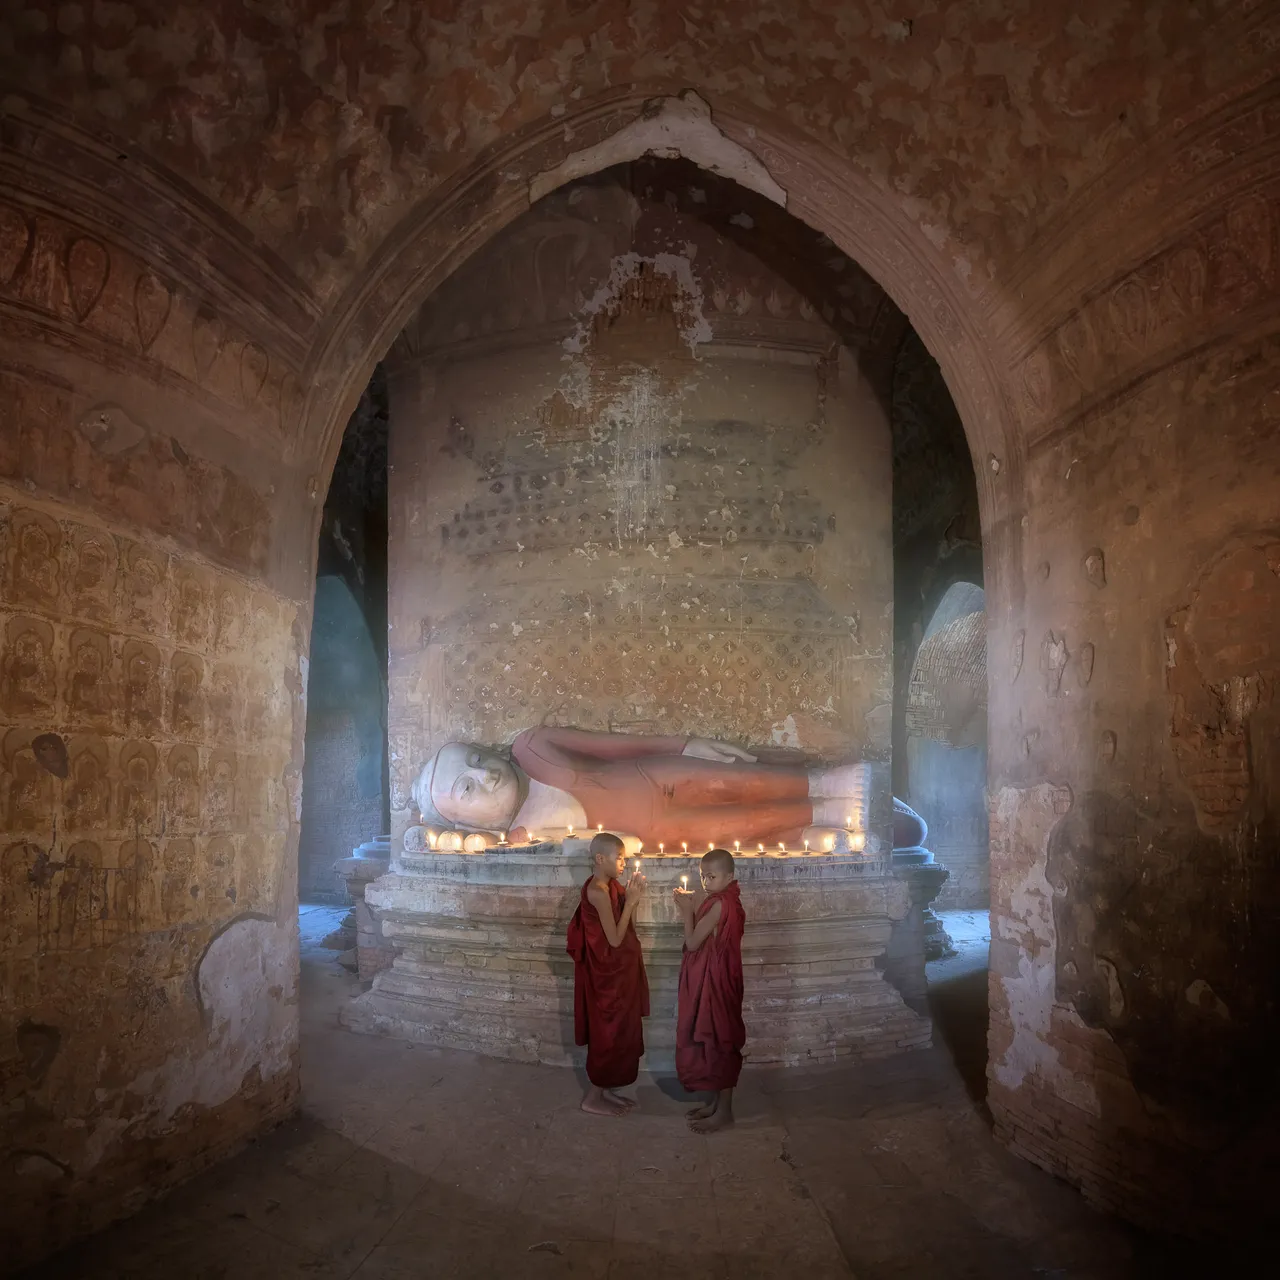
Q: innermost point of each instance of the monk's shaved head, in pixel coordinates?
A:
(718, 860)
(607, 846)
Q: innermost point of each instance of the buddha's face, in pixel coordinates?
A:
(474, 788)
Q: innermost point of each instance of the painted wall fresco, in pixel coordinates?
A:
(638, 484)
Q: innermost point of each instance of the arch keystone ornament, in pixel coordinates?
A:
(667, 128)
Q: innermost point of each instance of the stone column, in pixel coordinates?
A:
(152, 579)
(367, 862)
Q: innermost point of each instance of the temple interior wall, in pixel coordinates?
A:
(1138, 886)
(946, 744)
(151, 710)
(1081, 223)
(654, 498)
(342, 776)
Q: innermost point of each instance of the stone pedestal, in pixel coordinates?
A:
(367, 862)
(482, 962)
(920, 936)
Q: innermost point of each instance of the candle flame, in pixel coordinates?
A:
(661, 846)
(684, 844)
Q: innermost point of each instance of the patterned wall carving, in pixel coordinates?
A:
(1173, 301)
(164, 678)
(71, 290)
(948, 687)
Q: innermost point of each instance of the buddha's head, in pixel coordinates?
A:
(470, 787)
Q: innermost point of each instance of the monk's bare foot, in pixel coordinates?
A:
(598, 1103)
(612, 1095)
(722, 1118)
(705, 1109)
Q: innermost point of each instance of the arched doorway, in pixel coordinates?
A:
(946, 743)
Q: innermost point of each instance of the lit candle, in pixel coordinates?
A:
(858, 841)
(828, 843)
(806, 846)
(637, 866)
(571, 830)
(684, 844)
(710, 846)
(736, 846)
(848, 820)
(661, 847)
(761, 848)
(502, 838)
(684, 882)
(599, 826)
(782, 848)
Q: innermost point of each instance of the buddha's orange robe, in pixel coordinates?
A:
(645, 787)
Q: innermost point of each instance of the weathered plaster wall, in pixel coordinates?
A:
(1133, 733)
(638, 484)
(343, 776)
(151, 711)
(1074, 215)
(309, 123)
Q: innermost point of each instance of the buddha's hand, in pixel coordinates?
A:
(719, 752)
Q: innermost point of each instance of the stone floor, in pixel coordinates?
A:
(411, 1162)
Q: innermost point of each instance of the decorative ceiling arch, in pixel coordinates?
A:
(762, 152)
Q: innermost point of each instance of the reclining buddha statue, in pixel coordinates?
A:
(653, 789)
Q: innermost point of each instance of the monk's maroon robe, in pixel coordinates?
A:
(709, 1028)
(610, 993)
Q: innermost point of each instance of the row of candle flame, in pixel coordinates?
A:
(458, 843)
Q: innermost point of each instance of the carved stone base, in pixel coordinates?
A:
(916, 939)
(482, 962)
(367, 862)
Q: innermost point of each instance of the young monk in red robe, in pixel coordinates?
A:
(709, 1028)
(610, 989)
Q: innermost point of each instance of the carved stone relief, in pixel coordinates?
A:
(143, 766)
